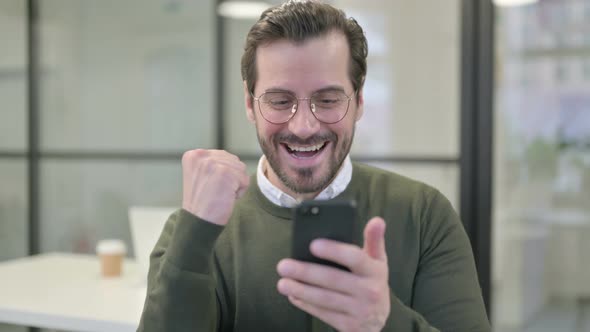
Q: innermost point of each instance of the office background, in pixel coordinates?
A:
(490, 104)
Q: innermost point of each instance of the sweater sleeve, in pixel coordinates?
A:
(181, 292)
(446, 293)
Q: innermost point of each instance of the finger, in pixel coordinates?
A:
(348, 255)
(237, 180)
(223, 154)
(375, 239)
(210, 158)
(316, 296)
(231, 160)
(231, 163)
(318, 275)
(337, 320)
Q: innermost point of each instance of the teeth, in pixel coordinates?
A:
(306, 148)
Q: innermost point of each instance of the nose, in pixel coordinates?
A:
(304, 124)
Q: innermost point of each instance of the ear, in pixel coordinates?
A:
(248, 101)
(360, 104)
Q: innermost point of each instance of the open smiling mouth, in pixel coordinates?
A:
(305, 152)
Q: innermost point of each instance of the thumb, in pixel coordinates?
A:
(374, 244)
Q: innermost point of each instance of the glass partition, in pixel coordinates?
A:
(541, 216)
(13, 75)
(86, 201)
(127, 75)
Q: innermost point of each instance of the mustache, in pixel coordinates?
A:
(313, 140)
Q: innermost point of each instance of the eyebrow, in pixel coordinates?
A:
(324, 89)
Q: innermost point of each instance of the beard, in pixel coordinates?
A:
(310, 179)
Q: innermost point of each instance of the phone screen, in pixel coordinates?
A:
(332, 219)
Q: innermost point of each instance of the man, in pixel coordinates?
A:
(221, 263)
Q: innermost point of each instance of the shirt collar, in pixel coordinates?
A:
(280, 198)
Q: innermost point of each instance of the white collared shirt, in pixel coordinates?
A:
(280, 198)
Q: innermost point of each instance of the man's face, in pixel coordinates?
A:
(303, 69)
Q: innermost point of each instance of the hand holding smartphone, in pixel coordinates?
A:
(332, 219)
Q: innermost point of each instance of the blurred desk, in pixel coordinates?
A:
(569, 245)
(67, 292)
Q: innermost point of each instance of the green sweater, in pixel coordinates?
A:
(206, 277)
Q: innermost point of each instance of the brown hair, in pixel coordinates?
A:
(297, 21)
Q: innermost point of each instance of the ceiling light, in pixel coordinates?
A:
(242, 9)
(510, 3)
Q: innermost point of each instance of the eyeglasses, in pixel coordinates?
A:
(328, 106)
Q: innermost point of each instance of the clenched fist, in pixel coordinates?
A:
(212, 181)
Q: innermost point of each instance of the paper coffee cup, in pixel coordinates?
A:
(111, 253)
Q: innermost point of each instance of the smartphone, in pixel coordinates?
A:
(330, 219)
